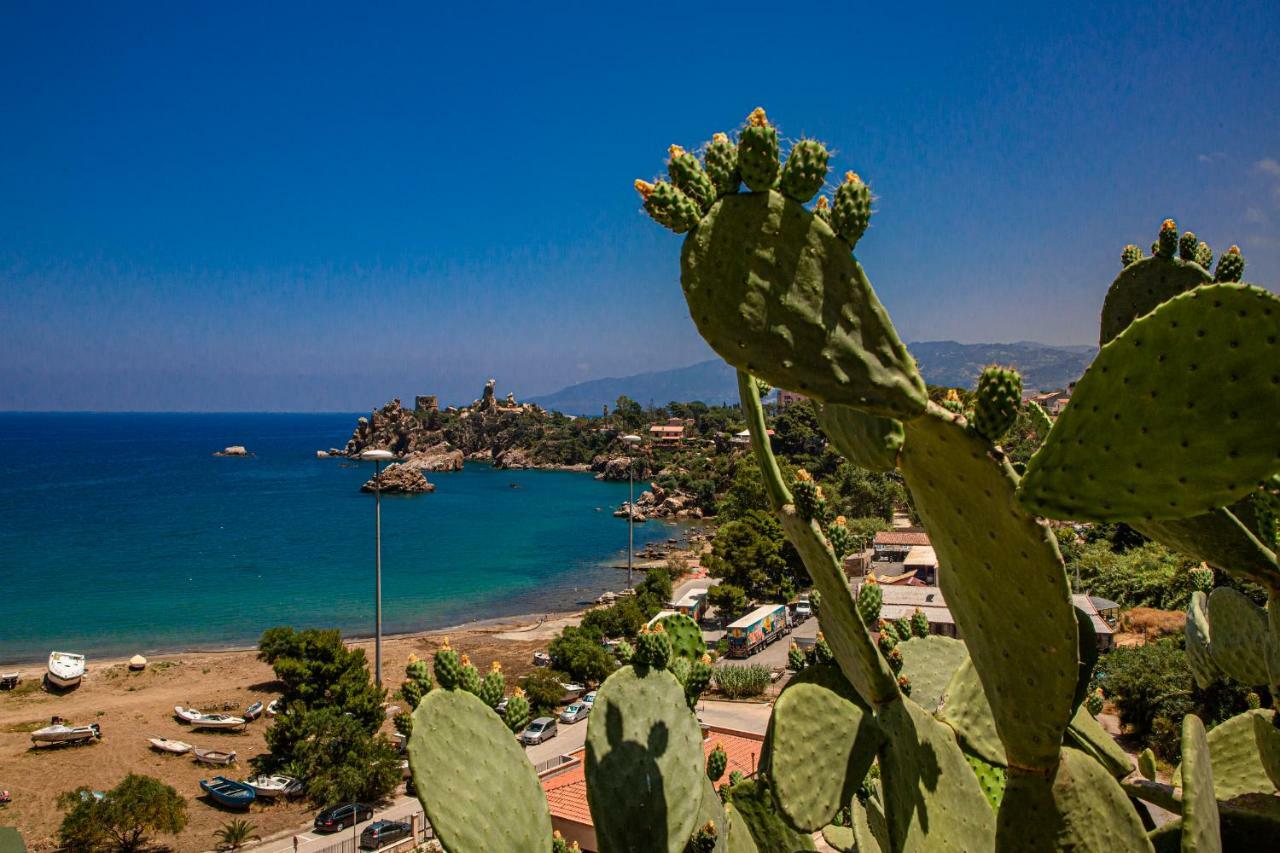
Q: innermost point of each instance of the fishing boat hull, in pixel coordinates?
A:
(253, 712)
(271, 787)
(228, 792)
(218, 723)
(176, 747)
(66, 734)
(213, 756)
(65, 669)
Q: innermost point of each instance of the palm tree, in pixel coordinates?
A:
(236, 833)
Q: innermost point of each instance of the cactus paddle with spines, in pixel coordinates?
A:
(756, 804)
(1147, 764)
(1142, 285)
(999, 396)
(1167, 242)
(473, 779)
(1199, 644)
(668, 205)
(851, 210)
(824, 739)
(1200, 828)
(1176, 455)
(991, 777)
(1087, 734)
(1130, 255)
(687, 175)
(1219, 537)
(1187, 245)
(493, 686)
(1040, 421)
(1230, 265)
(805, 171)
(685, 635)
(721, 159)
(1238, 768)
(965, 708)
(865, 440)
(644, 764)
(1240, 638)
(448, 666)
(931, 663)
(758, 152)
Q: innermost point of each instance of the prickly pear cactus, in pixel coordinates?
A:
(870, 600)
(721, 159)
(687, 175)
(469, 680)
(810, 502)
(448, 666)
(493, 686)
(805, 171)
(851, 212)
(1230, 265)
(717, 761)
(685, 635)
(999, 396)
(1144, 284)
(839, 537)
(653, 648)
(1200, 827)
(517, 716)
(865, 440)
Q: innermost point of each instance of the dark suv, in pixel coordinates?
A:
(383, 832)
(340, 817)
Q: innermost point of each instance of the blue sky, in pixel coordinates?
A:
(317, 208)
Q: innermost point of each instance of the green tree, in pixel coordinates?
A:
(749, 553)
(236, 833)
(729, 601)
(1147, 576)
(796, 431)
(579, 653)
(318, 670)
(745, 492)
(627, 413)
(123, 818)
(340, 760)
(545, 689)
(623, 618)
(859, 493)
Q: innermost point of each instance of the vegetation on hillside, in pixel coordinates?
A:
(124, 818)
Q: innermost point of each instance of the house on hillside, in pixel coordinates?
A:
(670, 434)
(894, 545)
(789, 398)
(565, 783)
(1053, 402)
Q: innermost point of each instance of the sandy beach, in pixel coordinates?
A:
(132, 706)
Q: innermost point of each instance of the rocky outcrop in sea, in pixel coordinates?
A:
(657, 502)
(399, 479)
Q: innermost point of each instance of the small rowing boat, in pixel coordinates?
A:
(201, 720)
(273, 707)
(228, 792)
(270, 787)
(213, 756)
(253, 712)
(177, 747)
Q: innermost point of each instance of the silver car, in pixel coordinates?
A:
(541, 729)
(576, 711)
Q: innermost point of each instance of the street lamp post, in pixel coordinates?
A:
(631, 440)
(377, 457)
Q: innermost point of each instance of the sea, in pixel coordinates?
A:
(123, 533)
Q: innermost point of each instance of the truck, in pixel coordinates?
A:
(693, 604)
(757, 629)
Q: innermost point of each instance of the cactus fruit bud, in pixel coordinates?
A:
(919, 624)
(470, 679)
(735, 776)
(903, 627)
(795, 658)
(1230, 265)
(1147, 764)
(839, 537)
(851, 211)
(822, 209)
(517, 716)
(1204, 255)
(653, 648)
(697, 680)
(686, 173)
(822, 650)
(1155, 248)
(1187, 246)
(558, 844)
(448, 667)
(717, 761)
(895, 660)
(1201, 577)
(904, 684)
(721, 159)
(1167, 243)
(668, 206)
(999, 395)
(705, 839)
(492, 686)
(1253, 700)
(952, 402)
(808, 497)
(888, 639)
(805, 170)
(758, 152)
(870, 597)
(1093, 704)
(1131, 254)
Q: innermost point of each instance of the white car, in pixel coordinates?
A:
(803, 610)
(590, 699)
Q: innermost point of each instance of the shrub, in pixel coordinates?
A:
(121, 819)
(544, 689)
(737, 682)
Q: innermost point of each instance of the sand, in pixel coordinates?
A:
(132, 706)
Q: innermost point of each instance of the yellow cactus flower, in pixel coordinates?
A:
(644, 188)
(822, 203)
(841, 520)
(852, 178)
(444, 647)
(495, 667)
(803, 476)
(1234, 250)
(719, 137)
(758, 118)
(675, 151)
(518, 692)
(466, 661)
(1168, 225)
(412, 658)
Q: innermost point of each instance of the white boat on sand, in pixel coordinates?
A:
(213, 756)
(201, 720)
(177, 747)
(60, 733)
(274, 786)
(65, 669)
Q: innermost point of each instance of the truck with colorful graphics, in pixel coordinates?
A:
(757, 629)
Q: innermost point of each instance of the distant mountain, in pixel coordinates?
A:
(1043, 367)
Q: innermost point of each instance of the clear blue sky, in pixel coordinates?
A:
(317, 208)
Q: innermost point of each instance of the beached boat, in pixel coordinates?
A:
(270, 787)
(273, 707)
(177, 747)
(228, 792)
(9, 680)
(253, 712)
(185, 715)
(60, 733)
(201, 720)
(213, 756)
(65, 669)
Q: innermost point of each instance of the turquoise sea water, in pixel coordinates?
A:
(122, 533)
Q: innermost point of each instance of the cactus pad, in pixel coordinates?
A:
(754, 803)
(1079, 808)
(1004, 583)
(999, 396)
(805, 170)
(824, 740)
(865, 440)
(1267, 736)
(1240, 633)
(840, 838)
(930, 663)
(721, 159)
(1165, 423)
(686, 636)
(1147, 764)
(992, 779)
(870, 829)
(965, 708)
(1087, 734)
(777, 294)
(1199, 642)
(1039, 418)
(1221, 538)
(934, 800)
(1141, 287)
(644, 763)
(758, 152)
(1200, 833)
(1237, 761)
(479, 790)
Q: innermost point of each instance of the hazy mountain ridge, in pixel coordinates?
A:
(1043, 367)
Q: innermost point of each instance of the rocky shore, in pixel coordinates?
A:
(657, 502)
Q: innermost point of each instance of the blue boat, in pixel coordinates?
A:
(228, 792)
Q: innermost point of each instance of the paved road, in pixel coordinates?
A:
(775, 655)
(733, 715)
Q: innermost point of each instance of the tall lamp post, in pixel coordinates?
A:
(377, 457)
(632, 441)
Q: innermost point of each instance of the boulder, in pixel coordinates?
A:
(402, 480)
(437, 457)
(233, 450)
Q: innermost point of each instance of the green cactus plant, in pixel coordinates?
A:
(758, 152)
(999, 396)
(685, 635)
(721, 160)
(1230, 266)
(870, 600)
(493, 686)
(469, 678)
(688, 176)
(1130, 255)
(448, 666)
(1204, 255)
(805, 170)
(653, 648)
(717, 761)
(517, 716)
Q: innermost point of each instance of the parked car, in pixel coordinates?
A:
(803, 610)
(576, 711)
(590, 699)
(383, 832)
(502, 708)
(541, 729)
(335, 818)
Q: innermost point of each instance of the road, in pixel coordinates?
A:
(742, 716)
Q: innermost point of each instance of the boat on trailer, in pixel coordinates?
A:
(213, 756)
(65, 669)
(164, 744)
(60, 733)
(270, 787)
(201, 720)
(228, 792)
